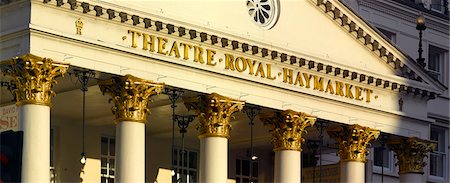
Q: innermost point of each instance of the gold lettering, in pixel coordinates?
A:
(162, 45)
(186, 48)
(318, 83)
(307, 80)
(269, 73)
(339, 88)
(287, 75)
(229, 61)
(210, 57)
(134, 35)
(358, 93)
(198, 54)
(148, 40)
(175, 50)
(251, 66)
(241, 60)
(298, 79)
(260, 71)
(329, 88)
(368, 92)
(348, 91)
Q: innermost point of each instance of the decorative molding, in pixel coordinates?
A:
(130, 96)
(353, 141)
(34, 77)
(214, 113)
(264, 52)
(287, 128)
(410, 153)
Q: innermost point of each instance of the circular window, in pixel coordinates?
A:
(263, 12)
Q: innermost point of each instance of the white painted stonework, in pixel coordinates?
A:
(113, 46)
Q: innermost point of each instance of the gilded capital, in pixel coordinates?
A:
(287, 128)
(130, 96)
(34, 77)
(214, 113)
(410, 153)
(353, 141)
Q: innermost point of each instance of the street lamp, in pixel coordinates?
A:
(420, 25)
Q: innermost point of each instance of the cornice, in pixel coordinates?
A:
(408, 16)
(204, 37)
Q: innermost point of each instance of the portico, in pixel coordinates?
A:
(355, 92)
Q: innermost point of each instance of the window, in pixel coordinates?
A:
(437, 5)
(246, 171)
(382, 157)
(438, 157)
(436, 57)
(108, 153)
(52, 156)
(388, 34)
(185, 165)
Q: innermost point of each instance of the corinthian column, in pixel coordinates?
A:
(410, 153)
(353, 141)
(214, 113)
(287, 129)
(130, 96)
(34, 77)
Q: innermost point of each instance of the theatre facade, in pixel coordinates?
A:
(212, 91)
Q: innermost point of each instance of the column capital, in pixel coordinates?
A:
(214, 113)
(287, 128)
(34, 78)
(130, 96)
(353, 141)
(410, 153)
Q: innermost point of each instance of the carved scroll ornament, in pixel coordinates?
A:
(34, 77)
(287, 128)
(214, 113)
(130, 96)
(353, 141)
(410, 153)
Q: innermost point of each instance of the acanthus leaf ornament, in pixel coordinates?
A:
(34, 77)
(287, 128)
(214, 113)
(410, 153)
(353, 141)
(130, 96)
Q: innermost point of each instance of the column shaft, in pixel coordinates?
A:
(34, 121)
(352, 171)
(213, 160)
(287, 166)
(353, 141)
(214, 113)
(130, 96)
(130, 148)
(35, 78)
(287, 128)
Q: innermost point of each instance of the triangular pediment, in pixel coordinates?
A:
(324, 31)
